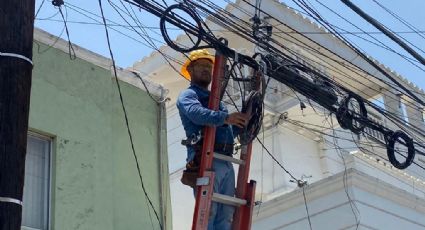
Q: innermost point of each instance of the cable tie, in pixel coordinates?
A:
(10, 200)
(236, 55)
(17, 56)
(264, 66)
(57, 3)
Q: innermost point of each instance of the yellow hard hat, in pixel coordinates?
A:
(193, 56)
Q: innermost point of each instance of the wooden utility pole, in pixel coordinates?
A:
(16, 38)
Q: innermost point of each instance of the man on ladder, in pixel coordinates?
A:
(195, 115)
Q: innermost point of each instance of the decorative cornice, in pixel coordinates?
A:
(354, 179)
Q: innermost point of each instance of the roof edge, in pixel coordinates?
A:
(124, 75)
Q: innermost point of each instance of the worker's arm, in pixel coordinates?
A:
(188, 103)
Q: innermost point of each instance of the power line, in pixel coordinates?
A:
(265, 148)
(71, 50)
(410, 60)
(127, 124)
(126, 118)
(333, 52)
(39, 8)
(384, 30)
(406, 23)
(369, 60)
(306, 208)
(220, 19)
(224, 30)
(353, 206)
(275, 160)
(202, 8)
(314, 50)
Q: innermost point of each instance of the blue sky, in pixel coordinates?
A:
(128, 47)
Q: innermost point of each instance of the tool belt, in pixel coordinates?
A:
(191, 173)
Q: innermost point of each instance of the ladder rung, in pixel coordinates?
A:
(227, 158)
(220, 198)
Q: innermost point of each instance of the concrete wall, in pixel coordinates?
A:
(95, 183)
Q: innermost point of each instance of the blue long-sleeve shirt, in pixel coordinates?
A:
(192, 104)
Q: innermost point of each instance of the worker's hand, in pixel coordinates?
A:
(238, 119)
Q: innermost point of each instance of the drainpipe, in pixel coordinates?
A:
(163, 166)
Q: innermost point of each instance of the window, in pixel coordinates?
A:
(404, 112)
(36, 201)
(379, 101)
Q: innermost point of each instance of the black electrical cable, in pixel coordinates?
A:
(166, 57)
(306, 208)
(380, 128)
(126, 118)
(374, 126)
(337, 137)
(153, 28)
(345, 116)
(390, 150)
(148, 91)
(301, 34)
(265, 148)
(406, 23)
(168, 14)
(224, 11)
(145, 35)
(275, 160)
(71, 50)
(39, 8)
(254, 107)
(410, 60)
(39, 51)
(132, 38)
(388, 32)
(299, 123)
(353, 206)
(283, 47)
(371, 62)
(85, 13)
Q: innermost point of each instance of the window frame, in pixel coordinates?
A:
(49, 169)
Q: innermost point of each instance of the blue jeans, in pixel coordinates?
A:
(221, 216)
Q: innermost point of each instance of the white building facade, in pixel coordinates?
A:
(350, 183)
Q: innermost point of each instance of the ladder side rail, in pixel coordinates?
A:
(243, 187)
(247, 210)
(204, 192)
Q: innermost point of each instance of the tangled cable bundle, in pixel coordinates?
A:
(345, 116)
(197, 31)
(392, 138)
(254, 107)
(285, 69)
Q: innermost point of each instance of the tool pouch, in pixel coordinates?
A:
(191, 173)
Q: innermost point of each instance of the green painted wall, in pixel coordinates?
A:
(95, 183)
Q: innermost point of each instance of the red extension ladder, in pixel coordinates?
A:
(245, 192)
